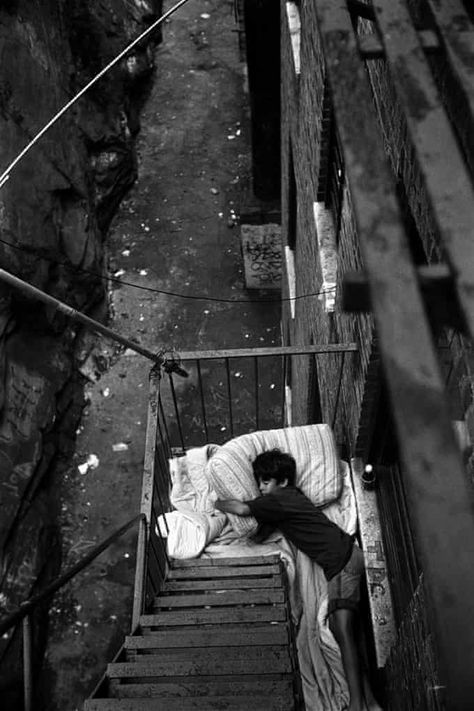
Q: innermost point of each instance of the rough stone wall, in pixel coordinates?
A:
(302, 102)
(54, 213)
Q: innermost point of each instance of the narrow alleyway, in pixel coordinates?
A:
(175, 232)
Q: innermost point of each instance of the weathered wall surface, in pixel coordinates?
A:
(54, 214)
(340, 378)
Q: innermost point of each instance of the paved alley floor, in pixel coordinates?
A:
(176, 232)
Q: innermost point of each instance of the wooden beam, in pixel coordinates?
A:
(437, 286)
(448, 184)
(439, 494)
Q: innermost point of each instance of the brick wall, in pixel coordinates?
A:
(341, 378)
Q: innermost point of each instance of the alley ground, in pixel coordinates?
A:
(177, 232)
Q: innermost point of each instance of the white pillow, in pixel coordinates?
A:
(318, 474)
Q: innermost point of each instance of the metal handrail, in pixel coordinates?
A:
(28, 605)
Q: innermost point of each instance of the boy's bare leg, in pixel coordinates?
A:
(341, 623)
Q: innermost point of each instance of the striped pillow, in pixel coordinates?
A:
(318, 474)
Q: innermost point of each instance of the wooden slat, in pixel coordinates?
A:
(457, 37)
(247, 597)
(237, 636)
(270, 684)
(197, 654)
(200, 637)
(282, 702)
(261, 613)
(173, 586)
(448, 184)
(438, 494)
(223, 572)
(223, 562)
(209, 664)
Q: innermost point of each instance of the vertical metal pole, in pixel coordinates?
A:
(176, 410)
(257, 411)
(229, 397)
(201, 393)
(27, 664)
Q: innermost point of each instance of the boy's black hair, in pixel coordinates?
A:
(275, 464)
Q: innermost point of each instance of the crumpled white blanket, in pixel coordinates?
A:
(195, 521)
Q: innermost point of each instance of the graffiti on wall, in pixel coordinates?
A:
(261, 249)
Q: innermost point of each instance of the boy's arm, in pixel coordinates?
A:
(233, 506)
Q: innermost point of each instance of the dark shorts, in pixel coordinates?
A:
(344, 588)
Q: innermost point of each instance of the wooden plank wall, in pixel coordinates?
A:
(440, 497)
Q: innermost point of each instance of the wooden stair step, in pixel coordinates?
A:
(244, 561)
(203, 703)
(239, 597)
(174, 586)
(189, 573)
(216, 616)
(270, 685)
(256, 652)
(202, 637)
(150, 665)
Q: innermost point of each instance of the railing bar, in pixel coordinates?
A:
(175, 403)
(283, 388)
(229, 396)
(157, 558)
(53, 587)
(339, 387)
(165, 440)
(201, 393)
(280, 350)
(140, 573)
(257, 410)
(156, 492)
(27, 664)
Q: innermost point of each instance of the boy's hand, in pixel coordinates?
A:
(239, 508)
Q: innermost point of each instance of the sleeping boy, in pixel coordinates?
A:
(283, 506)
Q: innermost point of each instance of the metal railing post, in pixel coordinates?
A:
(27, 664)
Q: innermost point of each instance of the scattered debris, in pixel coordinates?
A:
(119, 273)
(205, 15)
(143, 272)
(215, 191)
(120, 447)
(126, 253)
(106, 392)
(92, 462)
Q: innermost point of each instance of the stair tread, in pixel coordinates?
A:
(244, 561)
(239, 597)
(147, 665)
(217, 615)
(257, 652)
(222, 572)
(284, 702)
(195, 585)
(196, 637)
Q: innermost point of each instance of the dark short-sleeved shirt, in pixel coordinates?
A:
(306, 526)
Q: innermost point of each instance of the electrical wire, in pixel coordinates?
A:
(6, 173)
(166, 292)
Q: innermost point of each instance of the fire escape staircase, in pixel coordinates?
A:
(219, 636)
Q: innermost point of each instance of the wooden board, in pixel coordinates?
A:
(216, 664)
(201, 637)
(260, 613)
(223, 572)
(240, 597)
(282, 702)
(440, 498)
(173, 586)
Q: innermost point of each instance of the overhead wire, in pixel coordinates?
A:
(6, 173)
(196, 297)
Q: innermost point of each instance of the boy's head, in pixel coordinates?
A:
(273, 469)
